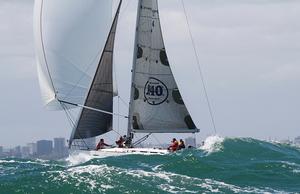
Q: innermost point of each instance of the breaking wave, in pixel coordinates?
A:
(221, 165)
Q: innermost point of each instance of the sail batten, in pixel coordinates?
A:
(156, 104)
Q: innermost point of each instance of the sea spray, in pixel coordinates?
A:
(212, 144)
(222, 165)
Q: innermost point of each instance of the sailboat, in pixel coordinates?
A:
(75, 51)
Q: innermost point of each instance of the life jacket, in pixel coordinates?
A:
(174, 146)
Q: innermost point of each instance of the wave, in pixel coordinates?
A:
(221, 165)
(212, 144)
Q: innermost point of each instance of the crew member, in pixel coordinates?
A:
(120, 142)
(181, 144)
(174, 145)
(101, 145)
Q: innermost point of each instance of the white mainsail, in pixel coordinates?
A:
(156, 104)
(70, 37)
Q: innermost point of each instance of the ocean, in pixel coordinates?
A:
(222, 165)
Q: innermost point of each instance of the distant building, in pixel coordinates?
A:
(297, 140)
(16, 152)
(25, 152)
(59, 146)
(32, 148)
(190, 141)
(44, 147)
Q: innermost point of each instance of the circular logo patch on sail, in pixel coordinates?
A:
(155, 91)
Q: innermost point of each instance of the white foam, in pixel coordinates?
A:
(36, 161)
(7, 161)
(296, 171)
(290, 163)
(166, 181)
(79, 157)
(212, 186)
(79, 174)
(212, 144)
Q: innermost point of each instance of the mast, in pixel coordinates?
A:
(129, 128)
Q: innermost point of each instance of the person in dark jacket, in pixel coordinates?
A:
(181, 144)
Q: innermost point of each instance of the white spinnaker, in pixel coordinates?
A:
(157, 106)
(69, 36)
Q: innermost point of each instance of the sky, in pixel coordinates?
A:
(249, 53)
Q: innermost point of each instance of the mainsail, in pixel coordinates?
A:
(69, 37)
(156, 105)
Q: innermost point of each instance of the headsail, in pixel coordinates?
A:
(100, 96)
(69, 37)
(156, 104)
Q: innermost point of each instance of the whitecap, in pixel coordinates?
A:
(212, 144)
(297, 171)
(79, 157)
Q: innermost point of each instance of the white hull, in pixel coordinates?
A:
(130, 151)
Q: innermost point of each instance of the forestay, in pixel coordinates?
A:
(70, 36)
(156, 104)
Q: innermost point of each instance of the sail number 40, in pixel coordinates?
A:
(155, 91)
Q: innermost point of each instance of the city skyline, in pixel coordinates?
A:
(43, 149)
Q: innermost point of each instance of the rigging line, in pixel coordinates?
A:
(141, 139)
(107, 136)
(72, 123)
(69, 119)
(69, 116)
(200, 70)
(116, 132)
(118, 113)
(93, 109)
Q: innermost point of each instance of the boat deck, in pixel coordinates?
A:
(131, 150)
